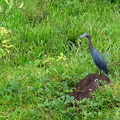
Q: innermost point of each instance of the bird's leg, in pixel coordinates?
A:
(97, 80)
(99, 75)
(100, 72)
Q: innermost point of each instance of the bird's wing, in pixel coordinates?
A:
(98, 59)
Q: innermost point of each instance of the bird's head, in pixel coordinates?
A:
(84, 35)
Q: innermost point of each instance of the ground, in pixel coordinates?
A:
(88, 85)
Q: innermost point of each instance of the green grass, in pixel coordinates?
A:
(40, 71)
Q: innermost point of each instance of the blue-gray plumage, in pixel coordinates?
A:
(97, 57)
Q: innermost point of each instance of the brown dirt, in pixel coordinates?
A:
(89, 84)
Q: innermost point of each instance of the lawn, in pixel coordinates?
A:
(41, 61)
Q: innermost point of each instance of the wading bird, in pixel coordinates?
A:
(97, 57)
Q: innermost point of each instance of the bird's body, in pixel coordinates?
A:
(97, 57)
(99, 60)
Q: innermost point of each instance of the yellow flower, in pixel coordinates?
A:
(3, 31)
(62, 57)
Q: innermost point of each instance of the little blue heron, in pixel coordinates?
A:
(97, 57)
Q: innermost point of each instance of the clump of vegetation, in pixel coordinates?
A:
(5, 39)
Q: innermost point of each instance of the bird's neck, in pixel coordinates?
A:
(90, 43)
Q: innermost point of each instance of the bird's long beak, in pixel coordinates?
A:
(84, 35)
(79, 36)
